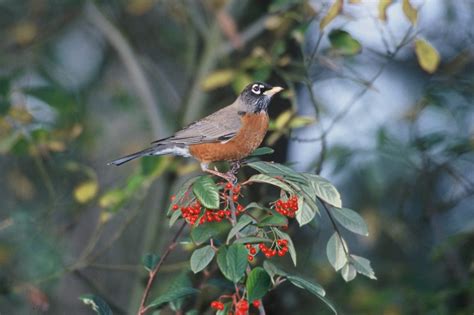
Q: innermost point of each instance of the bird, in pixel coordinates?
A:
(229, 134)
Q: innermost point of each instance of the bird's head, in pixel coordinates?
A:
(256, 96)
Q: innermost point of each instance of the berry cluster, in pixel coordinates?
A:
(241, 306)
(190, 213)
(219, 306)
(287, 208)
(280, 249)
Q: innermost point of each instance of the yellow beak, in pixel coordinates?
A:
(274, 90)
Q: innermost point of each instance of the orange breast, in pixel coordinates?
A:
(250, 136)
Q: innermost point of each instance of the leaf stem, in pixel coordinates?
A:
(336, 229)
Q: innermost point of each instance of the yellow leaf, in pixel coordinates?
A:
(25, 32)
(383, 6)
(301, 121)
(86, 191)
(140, 7)
(218, 79)
(410, 12)
(105, 217)
(428, 57)
(56, 146)
(111, 198)
(332, 13)
(282, 120)
(273, 22)
(240, 82)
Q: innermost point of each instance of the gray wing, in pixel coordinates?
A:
(219, 126)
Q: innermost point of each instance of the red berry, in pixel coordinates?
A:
(250, 258)
(261, 246)
(253, 251)
(173, 197)
(228, 186)
(268, 255)
(240, 208)
(281, 253)
(214, 304)
(256, 303)
(235, 198)
(175, 207)
(243, 305)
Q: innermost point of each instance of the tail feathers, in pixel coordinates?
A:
(133, 156)
(175, 149)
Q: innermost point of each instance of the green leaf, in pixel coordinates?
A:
(97, 304)
(325, 190)
(150, 261)
(154, 165)
(351, 220)
(232, 261)
(244, 220)
(335, 252)
(54, 97)
(181, 281)
(272, 269)
(251, 240)
(207, 192)
(172, 295)
(181, 192)
(258, 283)
(348, 272)
(262, 178)
(428, 57)
(275, 219)
(333, 11)
(291, 247)
(4, 106)
(262, 151)
(174, 217)
(312, 287)
(201, 257)
(305, 213)
(275, 169)
(203, 232)
(344, 43)
(362, 265)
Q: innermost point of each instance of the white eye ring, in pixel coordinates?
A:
(256, 89)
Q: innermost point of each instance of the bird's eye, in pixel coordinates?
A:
(256, 89)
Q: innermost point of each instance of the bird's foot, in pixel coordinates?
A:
(234, 167)
(230, 177)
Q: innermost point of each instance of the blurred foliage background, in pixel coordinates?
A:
(367, 105)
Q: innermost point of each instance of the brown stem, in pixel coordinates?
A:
(152, 275)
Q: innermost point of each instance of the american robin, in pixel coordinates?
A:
(230, 134)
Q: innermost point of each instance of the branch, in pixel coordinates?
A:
(152, 275)
(130, 61)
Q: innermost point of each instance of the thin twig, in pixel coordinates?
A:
(152, 275)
